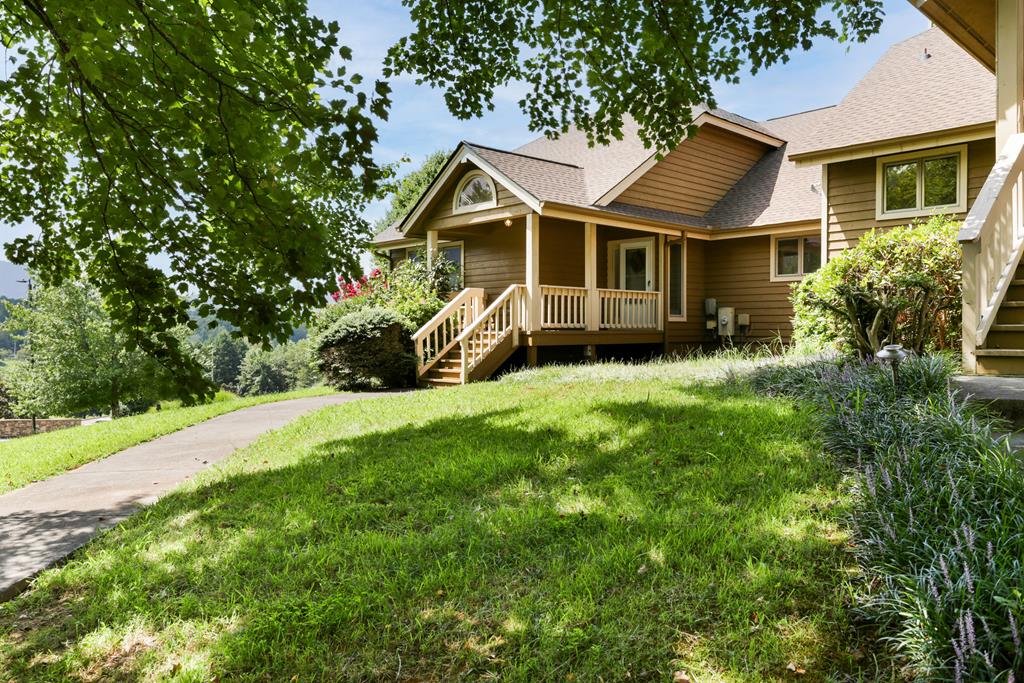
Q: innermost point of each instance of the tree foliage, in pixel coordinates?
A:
(73, 359)
(590, 64)
(226, 354)
(196, 130)
(898, 286)
(230, 139)
(406, 191)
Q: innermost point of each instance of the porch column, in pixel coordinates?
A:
(662, 281)
(533, 297)
(1009, 71)
(593, 312)
(431, 247)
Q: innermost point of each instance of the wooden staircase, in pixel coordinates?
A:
(992, 239)
(462, 343)
(447, 371)
(1003, 351)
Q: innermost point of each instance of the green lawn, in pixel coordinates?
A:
(32, 458)
(559, 525)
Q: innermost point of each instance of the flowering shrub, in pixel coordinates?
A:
(412, 289)
(937, 517)
(362, 286)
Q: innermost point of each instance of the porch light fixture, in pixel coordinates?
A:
(508, 222)
(893, 354)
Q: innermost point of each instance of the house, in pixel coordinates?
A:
(563, 244)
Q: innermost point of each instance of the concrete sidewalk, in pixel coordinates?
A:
(44, 522)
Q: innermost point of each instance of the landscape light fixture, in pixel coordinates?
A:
(893, 354)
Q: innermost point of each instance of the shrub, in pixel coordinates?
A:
(264, 372)
(367, 349)
(937, 514)
(413, 290)
(898, 286)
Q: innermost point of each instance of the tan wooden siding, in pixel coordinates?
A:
(695, 175)
(442, 206)
(851, 193)
(738, 275)
(691, 331)
(495, 256)
(561, 253)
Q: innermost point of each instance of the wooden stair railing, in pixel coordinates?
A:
(492, 327)
(992, 238)
(441, 332)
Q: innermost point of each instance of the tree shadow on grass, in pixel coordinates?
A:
(622, 539)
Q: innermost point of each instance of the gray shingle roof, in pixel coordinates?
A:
(389, 234)
(545, 179)
(906, 93)
(775, 190)
(603, 165)
(903, 94)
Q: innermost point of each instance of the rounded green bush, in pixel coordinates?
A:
(897, 286)
(369, 348)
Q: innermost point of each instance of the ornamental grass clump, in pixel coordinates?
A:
(938, 512)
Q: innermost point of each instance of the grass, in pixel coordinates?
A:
(547, 528)
(32, 458)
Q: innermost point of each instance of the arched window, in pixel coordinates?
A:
(476, 191)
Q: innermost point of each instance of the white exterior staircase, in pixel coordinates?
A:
(992, 238)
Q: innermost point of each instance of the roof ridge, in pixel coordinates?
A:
(798, 113)
(520, 154)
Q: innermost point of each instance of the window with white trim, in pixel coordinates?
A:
(476, 191)
(794, 257)
(677, 280)
(922, 183)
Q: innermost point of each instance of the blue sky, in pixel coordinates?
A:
(420, 123)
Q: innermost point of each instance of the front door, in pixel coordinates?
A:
(636, 267)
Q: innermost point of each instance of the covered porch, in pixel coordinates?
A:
(535, 280)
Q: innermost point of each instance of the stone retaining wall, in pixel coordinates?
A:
(13, 428)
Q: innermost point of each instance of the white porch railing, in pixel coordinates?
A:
(563, 308)
(439, 335)
(623, 309)
(992, 238)
(491, 327)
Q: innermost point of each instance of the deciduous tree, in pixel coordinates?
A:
(73, 359)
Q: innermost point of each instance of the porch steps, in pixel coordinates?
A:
(447, 371)
(1003, 352)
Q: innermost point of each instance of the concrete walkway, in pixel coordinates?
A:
(43, 523)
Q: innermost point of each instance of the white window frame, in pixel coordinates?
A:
(668, 278)
(774, 273)
(920, 156)
(479, 206)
